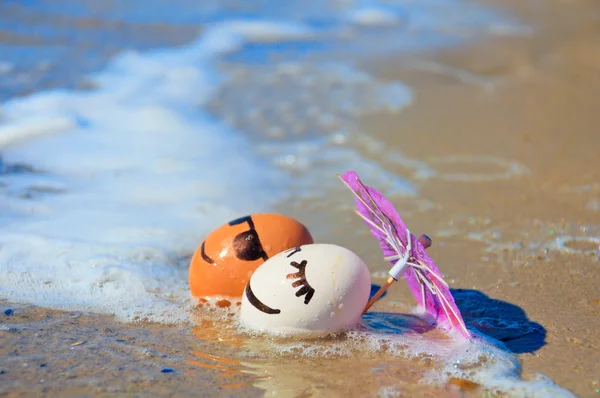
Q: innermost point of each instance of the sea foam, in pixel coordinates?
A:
(125, 180)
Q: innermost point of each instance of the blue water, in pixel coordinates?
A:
(70, 39)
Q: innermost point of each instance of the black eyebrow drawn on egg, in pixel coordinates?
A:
(306, 288)
(295, 250)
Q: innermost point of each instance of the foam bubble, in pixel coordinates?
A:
(586, 245)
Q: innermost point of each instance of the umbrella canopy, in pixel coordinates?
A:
(407, 255)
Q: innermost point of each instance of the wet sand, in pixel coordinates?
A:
(77, 354)
(526, 104)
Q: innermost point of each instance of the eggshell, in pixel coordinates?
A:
(224, 262)
(313, 288)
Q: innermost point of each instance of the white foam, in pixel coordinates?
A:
(484, 363)
(137, 177)
(373, 16)
(33, 126)
(562, 244)
(247, 31)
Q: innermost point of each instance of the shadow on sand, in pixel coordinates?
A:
(394, 323)
(500, 320)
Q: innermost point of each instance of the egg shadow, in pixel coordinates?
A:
(500, 320)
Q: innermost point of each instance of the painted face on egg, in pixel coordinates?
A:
(224, 262)
(307, 289)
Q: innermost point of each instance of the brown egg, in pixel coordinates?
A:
(224, 262)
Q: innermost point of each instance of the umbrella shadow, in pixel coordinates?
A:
(391, 323)
(394, 323)
(500, 320)
(374, 289)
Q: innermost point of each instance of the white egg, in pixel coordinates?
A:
(308, 289)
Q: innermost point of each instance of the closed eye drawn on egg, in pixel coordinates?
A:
(306, 289)
(294, 251)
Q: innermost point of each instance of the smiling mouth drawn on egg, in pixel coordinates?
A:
(259, 305)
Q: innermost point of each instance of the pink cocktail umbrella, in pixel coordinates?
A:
(407, 255)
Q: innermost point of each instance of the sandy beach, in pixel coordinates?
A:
(510, 195)
(531, 101)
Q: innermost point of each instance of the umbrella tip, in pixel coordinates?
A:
(425, 241)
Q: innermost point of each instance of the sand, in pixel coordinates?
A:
(522, 114)
(533, 101)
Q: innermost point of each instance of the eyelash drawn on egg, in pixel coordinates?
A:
(306, 289)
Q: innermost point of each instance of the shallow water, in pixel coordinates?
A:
(106, 191)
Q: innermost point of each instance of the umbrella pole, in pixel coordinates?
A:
(376, 296)
(426, 242)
